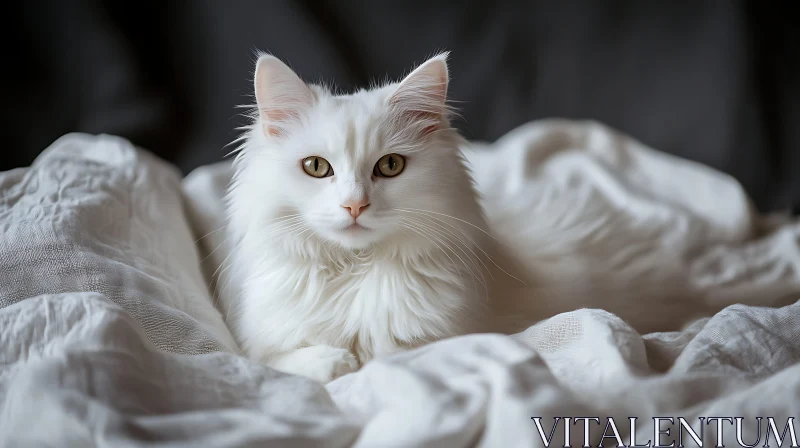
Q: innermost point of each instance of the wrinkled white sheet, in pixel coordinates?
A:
(108, 336)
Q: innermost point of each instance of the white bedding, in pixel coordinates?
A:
(108, 335)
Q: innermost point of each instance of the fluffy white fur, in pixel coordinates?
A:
(318, 299)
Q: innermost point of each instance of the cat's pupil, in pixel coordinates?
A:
(316, 164)
(391, 163)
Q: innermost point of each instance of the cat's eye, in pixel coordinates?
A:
(316, 166)
(390, 165)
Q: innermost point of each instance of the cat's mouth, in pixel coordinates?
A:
(355, 227)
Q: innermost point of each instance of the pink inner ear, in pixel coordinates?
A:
(419, 116)
(282, 97)
(272, 131)
(425, 108)
(423, 115)
(276, 116)
(420, 98)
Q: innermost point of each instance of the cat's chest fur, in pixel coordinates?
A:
(371, 305)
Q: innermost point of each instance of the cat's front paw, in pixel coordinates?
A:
(321, 363)
(331, 363)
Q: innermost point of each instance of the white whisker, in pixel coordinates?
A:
(437, 234)
(477, 245)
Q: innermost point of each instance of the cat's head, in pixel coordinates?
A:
(353, 170)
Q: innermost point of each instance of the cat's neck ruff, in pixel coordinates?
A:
(347, 297)
(396, 248)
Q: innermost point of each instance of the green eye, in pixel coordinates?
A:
(317, 167)
(389, 165)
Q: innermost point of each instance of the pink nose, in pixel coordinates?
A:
(356, 207)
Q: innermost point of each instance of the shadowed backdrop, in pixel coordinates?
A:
(715, 82)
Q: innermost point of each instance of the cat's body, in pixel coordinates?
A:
(341, 263)
(358, 232)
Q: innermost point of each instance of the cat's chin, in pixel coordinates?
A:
(354, 237)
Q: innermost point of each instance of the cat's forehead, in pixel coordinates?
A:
(361, 102)
(350, 126)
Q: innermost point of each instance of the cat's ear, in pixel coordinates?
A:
(281, 96)
(421, 98)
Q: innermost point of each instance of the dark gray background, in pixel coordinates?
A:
(713, 81)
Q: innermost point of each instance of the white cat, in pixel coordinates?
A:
(358, 228)
(358, 232)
